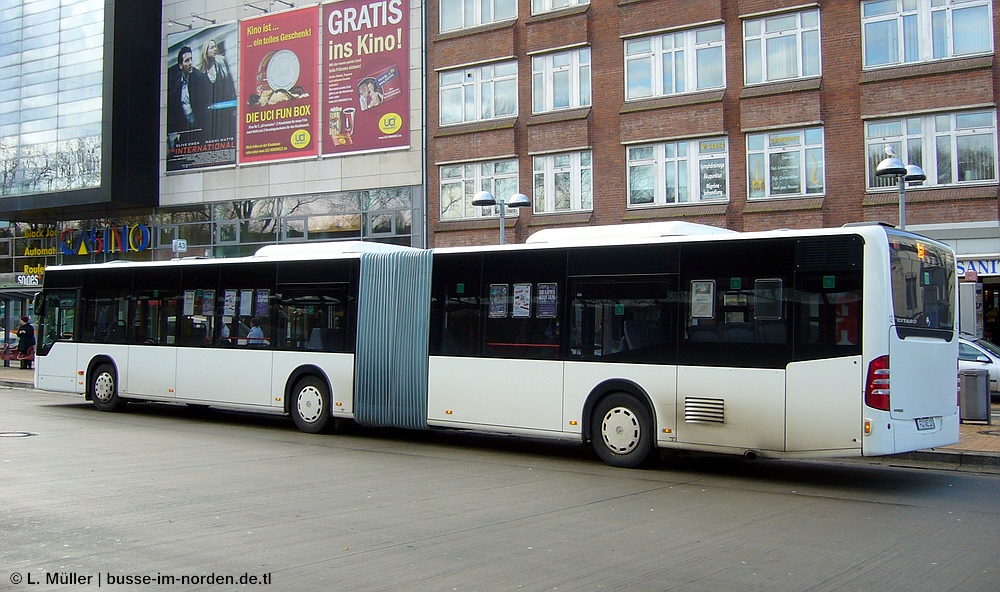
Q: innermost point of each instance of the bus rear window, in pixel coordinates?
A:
(923, 287)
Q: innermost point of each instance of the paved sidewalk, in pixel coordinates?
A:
(979, 443)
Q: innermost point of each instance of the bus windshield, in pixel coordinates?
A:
(923, 287)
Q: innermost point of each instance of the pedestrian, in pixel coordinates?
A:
(25, 341)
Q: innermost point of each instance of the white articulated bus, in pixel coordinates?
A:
(812, 343)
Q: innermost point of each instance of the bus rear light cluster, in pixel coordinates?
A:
(877, 384)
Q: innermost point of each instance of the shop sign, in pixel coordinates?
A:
(28, 279)
(111, 239)
(979, 266)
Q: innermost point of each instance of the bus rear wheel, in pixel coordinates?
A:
(622, 431)
(104, 389)
(310, 405)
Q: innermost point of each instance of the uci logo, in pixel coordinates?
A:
(390, 123)
(300, 138)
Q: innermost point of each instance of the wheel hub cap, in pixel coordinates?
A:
(310, 404)
(620, 430)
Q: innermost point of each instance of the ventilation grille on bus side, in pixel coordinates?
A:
(835, 252)
(698, 409)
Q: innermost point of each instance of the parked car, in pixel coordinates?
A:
(978, 354)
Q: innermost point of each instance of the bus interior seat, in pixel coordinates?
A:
(315, 342)
(116, 332)
(739, 333)
(703, 334)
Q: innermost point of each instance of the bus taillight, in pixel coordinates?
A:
(877, 385)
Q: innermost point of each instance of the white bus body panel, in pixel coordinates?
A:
(57, 371)
(222, 375)
(659, 382)
(151, 371)
(753, 401)
(497, 393)
(823, 406)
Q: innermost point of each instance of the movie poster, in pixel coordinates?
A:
(278, 86)
(202, 66)
(366, 76)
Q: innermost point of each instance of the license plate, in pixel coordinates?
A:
(925, 423)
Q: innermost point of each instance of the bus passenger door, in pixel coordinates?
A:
(152, 355)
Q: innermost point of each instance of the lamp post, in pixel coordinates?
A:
(518, 200)
(892, 166)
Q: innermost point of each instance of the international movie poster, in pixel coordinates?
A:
(366, 71)
(278, 85)
(202, 66)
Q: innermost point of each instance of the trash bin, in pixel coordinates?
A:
(974, 399)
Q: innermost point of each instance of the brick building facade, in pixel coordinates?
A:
(805, 97)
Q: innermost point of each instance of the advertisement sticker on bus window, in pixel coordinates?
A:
(547, 294)
(522, 301)
(229, 305)
(498, 301)
(702, 299)
(263, 296)
(246, 303)
(188, 302)
(208, 303)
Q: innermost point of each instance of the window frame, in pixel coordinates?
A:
(479, 181)
(803, 149)
(581, 174)
(921, 147)
(543, 71)
(696, 154)
(799, 32)
(657, 53)
(544, 6)
(476, 19)
(922, 19)
(474, 79)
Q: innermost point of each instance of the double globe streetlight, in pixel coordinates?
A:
(518, 200)
(892, 166)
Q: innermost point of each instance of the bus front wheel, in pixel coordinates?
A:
(310, 405)
(104, 389)
(622, 431)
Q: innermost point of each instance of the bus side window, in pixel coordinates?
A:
(829, 314)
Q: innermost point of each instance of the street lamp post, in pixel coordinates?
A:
(518, 200)
(892, 166)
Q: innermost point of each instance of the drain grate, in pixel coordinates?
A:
(17, 434)
(990, 432)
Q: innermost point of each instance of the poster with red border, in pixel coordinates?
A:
(366, 76)
(278, 102)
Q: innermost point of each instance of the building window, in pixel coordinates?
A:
(678, 172)
(952, 148)
(781, 47)
(563, 183)
(785, 163)
(460, 182)
(462, 14)
(906, 31)
(560, 80)
(475, 94)
(686, 61)
(540, 6)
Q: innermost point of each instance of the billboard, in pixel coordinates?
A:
(278, 104)
(202, 97)
(366, 76)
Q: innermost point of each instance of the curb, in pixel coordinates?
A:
(953, 457)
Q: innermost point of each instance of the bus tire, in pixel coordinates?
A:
(104, 389)
(622, 431)
(310, 405)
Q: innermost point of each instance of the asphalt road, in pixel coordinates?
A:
(180, 499)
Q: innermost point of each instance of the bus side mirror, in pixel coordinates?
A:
(38, 304)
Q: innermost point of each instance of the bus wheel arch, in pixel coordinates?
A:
(102, 384)
(618, 421)
(308, 399)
